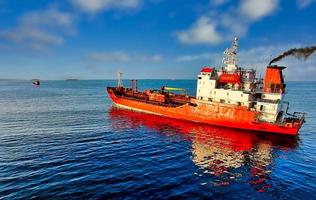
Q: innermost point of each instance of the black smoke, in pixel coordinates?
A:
(301, 53)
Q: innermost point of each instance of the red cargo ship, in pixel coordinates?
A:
(230, 96)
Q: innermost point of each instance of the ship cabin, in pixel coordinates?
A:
(232, 85)
(241, 88)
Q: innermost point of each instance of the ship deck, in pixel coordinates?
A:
(171, 99)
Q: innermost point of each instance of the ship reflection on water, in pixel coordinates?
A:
(227, 156)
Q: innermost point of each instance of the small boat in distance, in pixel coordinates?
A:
(228, 96)
(36, 82)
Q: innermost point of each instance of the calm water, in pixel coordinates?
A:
(63, 140)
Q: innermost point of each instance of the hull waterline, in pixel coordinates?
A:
(201, 114)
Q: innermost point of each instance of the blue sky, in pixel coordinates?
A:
(92, 39)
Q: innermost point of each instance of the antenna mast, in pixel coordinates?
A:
(230, 56)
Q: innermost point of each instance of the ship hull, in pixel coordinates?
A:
(216, 114)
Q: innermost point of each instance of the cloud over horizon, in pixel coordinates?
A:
(258, 58)
(122, 57)
(39, 29)
(215, 27)
(95, 6)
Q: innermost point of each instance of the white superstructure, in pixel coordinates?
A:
(233, 85)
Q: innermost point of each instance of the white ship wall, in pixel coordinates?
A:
(268, 107)
(204, 86)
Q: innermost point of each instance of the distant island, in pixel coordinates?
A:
(72, 79)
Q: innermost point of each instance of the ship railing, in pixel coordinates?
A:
(296, 116)
(295, 119)
(299, 119)
(269, 100)
(249, 80)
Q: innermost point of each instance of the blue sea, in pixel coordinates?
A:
(63, 140)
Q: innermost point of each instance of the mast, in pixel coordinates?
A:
(230, 57)
(119, 79)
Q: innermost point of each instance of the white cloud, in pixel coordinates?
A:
(215, 27)
(304, 3)
(122, 57)
(153, 58)
(40, 29)
(31, 34)
(218, 2)
(300, 70)
(311, 69)
(94, 6)
(109, 57)
(255, 9)
(202, 32)
(259, 57)
(50, 17)
(253, 56)
(96, 69)
(197, 57)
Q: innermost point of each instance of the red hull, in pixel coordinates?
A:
(214, 114)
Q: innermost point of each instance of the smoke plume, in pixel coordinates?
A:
(301, 53)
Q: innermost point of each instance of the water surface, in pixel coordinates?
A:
(63, 140)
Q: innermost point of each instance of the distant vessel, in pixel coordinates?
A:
(36, 82)
(229, 96)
